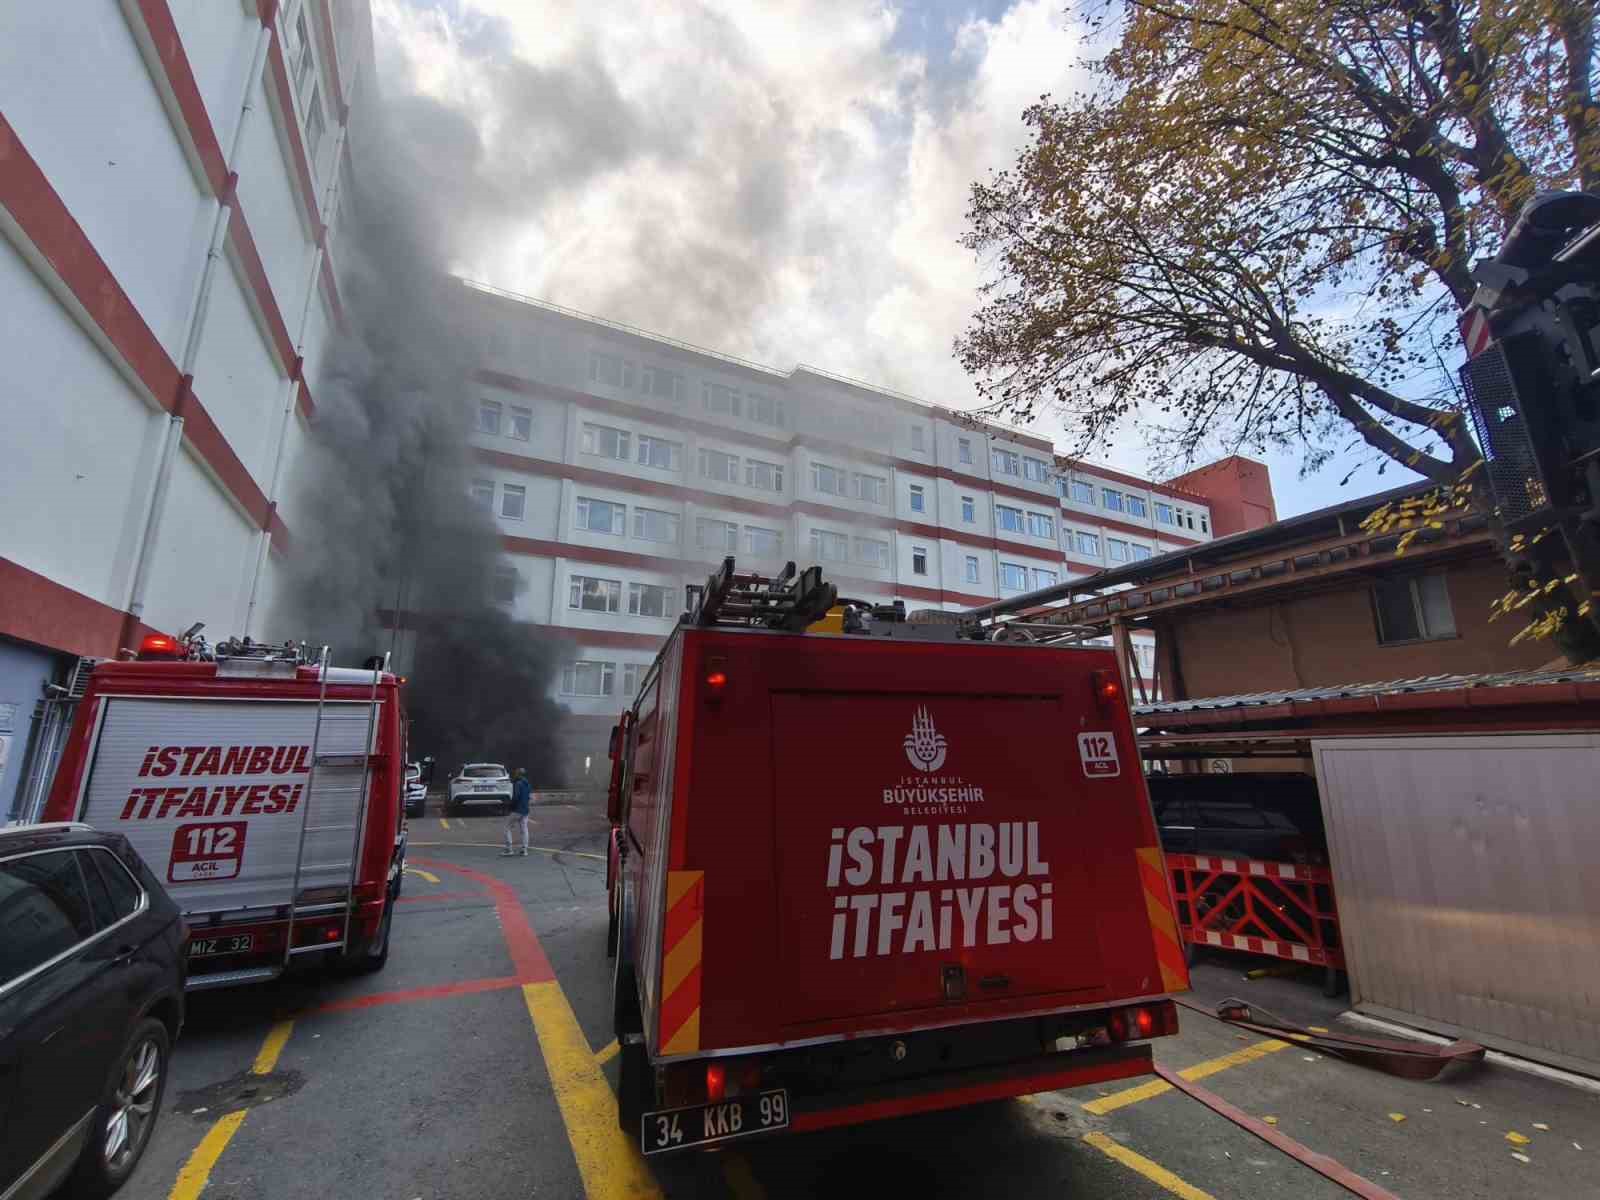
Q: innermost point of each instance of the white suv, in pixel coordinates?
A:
(486, 785)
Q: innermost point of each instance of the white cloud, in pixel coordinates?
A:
(781, 181)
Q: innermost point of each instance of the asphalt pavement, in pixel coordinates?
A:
(479, 1064)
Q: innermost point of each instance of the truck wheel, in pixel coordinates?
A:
(635, 1087)
(370, 958)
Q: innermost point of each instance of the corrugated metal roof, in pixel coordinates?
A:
(1394, 687)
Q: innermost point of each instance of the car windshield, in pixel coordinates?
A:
(484, 772)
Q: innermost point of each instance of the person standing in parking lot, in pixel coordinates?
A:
(517, 814)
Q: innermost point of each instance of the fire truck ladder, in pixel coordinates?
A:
(781, 601)
(305, 811)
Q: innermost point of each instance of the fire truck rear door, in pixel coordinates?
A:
(222, 838)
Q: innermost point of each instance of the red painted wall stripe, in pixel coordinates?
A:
(43, 218)
(248, 257)
(163, 32)
(37, 609)
(301, 164)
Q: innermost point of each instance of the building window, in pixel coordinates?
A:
(489, 416)
(316, 124)
(919, 499)
(721, 536)
(964, 450)
(972, 569)
(663, 384)
(719, 398)
(513, 501)
(647, 600)
(1136, 506)
(724, 468)
(594, 595)
(764, 475)
(1082, 492)
(1040, 525)
(1014, 577)
(827, 479)
(763, 543)
(969, 510)
(1043, 578)
(300, 51)
(607, 442)
(1036, 469)
(1140, 553)
(766, 410)
(919, 560)
(873, 552)
(583, 678)
(1008, 518)
(482, 494)
(610, 370)
(1089, 544)
(1205, 523)
(1112, 499)
(873, 489)
(602, 516)
(630, 678)
(1164, 513)
(916, 438)
(1006, 462)
(503, 587)
(521, 422)
(1416, 609)
(653, 525)
(1116, 550)
(660, 453)
(829, 547)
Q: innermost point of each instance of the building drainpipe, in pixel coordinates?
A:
(173, 443)
(291, 394)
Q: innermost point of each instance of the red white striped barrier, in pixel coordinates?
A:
(1285, 910)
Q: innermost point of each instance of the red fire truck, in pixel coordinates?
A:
(881, 871)
(263, 788)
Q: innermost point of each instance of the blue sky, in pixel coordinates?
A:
(781, 181)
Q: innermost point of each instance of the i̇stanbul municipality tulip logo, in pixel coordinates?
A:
(925, 745)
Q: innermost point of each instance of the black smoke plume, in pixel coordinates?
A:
(390, 553)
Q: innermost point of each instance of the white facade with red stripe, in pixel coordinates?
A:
(170, 181)
(579, 414)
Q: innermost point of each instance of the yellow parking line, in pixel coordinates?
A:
(428, 875)
(443, 824)
(608, 1160)
(196, 1171)
(1153, 1171)
(1156, 1087)
(606, 1053)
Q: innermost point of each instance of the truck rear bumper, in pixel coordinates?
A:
(954, 1089)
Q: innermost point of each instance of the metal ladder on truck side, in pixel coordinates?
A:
(318, 759)
(262, 655)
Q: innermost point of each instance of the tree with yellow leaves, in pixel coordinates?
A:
(1259, 220)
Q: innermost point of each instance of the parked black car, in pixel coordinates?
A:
(1271, 816)
(91, 999)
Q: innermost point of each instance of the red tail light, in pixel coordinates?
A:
(716, 677)
(1144, 1021)
(716, 1082)
(1107, 690)
(1117, 1025)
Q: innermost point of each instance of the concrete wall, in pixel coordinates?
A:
(1331, 637)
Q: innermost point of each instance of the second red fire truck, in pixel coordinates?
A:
(896, 868)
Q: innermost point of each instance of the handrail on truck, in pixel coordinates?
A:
(361, 805)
